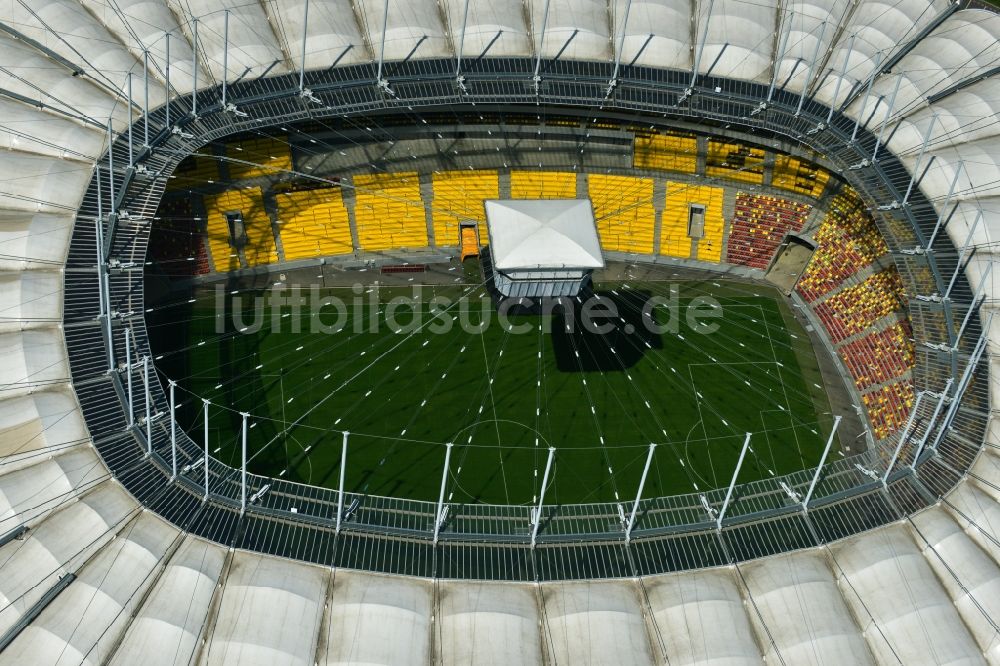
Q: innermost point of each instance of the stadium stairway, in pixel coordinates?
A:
(470, 243)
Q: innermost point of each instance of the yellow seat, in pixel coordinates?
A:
(623, 207)
(313, 223)
(265, 157)
(542, 185)
(668, 152)
(458, 197)
(260, 246)
(389, 211)
(791, 173)
(735, 161)
(674, 238)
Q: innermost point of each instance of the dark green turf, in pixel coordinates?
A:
(482, 392)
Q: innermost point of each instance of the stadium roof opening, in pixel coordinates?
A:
(542, 247)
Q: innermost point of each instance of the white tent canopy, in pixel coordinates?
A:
(543, 234)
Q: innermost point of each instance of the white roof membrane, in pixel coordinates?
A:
(269, 613)
(166, 632)
(489, 623)
(686, 608)
(595, 623)
(377, 619)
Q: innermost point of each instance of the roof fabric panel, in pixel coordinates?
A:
(657, 33)
(687, 607)
(496, 28)
(377, 619)
(489, 623)
(739, 39)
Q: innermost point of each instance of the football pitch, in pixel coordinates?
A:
(413, 368)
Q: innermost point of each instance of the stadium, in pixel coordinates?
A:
(537, 331)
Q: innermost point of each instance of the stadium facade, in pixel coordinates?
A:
(110, 551)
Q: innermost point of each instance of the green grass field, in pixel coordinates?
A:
(504, 398)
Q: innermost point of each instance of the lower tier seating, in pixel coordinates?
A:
(458, 197)
(389, 212)
(855, 308)
(623, 207)
(542, 185)
(880, 356)
(313, 223)
(675, 232)
(258, 245)
(759, 225)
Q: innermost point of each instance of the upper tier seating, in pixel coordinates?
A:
(194, 171)
(735, 161)
(791, 173)
(267, 157)
(667, 152)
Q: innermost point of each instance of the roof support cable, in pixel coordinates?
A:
(932, 422)
(941, 218)
(145, 99)
(963, 383)
(302, 62)
(638, 494)
(225, 58)
(440, 515)
(864, 102)
(536, 518)
(732, 484)
(459, 79)
(205, 405)
(194, 72)
(173, 432)
(380, 80)
(698, 53)
(812, 70)
(885, 121)
(128, 89)
(340, 486)
(305, 93)
(902, 438)
(961, 256)
(536, 78)
(920, 158)
(978, 299)
(840, 81)
(618, 51)
(166, 107)
(822, 461)
(774, 69)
